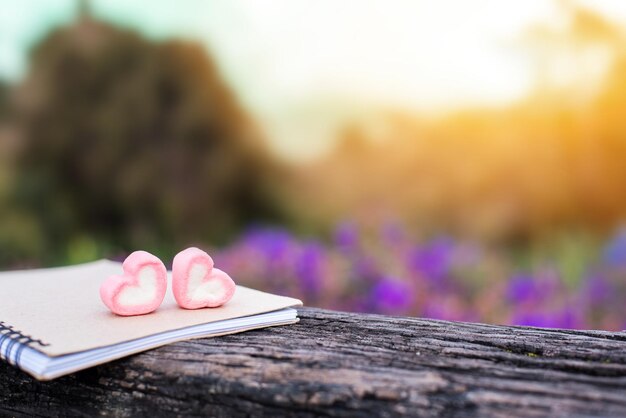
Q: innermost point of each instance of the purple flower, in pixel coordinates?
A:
(346, 235)
(570, 318)
(596, 289)
(432, 261)
(435, 310)
(614, 254)
(308, 268)
(533, 319)
(378, 275)
(566, 318)
(392, 296)
(273, 243)
(522, 288)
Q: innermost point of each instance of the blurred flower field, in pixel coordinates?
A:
(387, 271)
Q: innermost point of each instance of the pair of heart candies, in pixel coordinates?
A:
(143, 284)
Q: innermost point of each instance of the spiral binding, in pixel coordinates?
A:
(15, 337)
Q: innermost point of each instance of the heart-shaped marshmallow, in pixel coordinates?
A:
(196, 283)
(140, 290)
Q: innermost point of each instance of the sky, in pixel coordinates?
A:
(304, 68)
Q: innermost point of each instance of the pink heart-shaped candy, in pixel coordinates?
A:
(140, 289)
(196, 283)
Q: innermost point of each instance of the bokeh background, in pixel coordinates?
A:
(461, 160)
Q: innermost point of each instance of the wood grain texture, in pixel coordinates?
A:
(344, 364)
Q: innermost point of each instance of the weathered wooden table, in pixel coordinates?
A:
(344, 364)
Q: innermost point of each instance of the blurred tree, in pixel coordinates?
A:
(4, 99)
(127, 143)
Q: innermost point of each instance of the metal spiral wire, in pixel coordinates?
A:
(15, 338)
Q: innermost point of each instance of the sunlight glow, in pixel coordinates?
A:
(305, 67)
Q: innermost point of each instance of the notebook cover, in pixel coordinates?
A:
(62, 308)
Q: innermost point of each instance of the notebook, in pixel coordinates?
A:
(52, 321)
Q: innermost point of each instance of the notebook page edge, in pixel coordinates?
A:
(46, 377)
